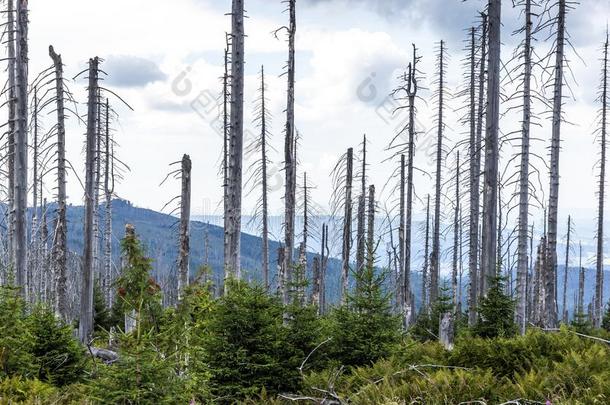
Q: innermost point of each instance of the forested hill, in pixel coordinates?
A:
(158, 232)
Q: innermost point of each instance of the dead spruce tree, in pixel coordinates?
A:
(601, 133)
(347, 225)
(490, 191)
(19, 242)
(236, 130)
(455, 287)
(86, 302)
(425, 298)
(564, 307)
(441, 92)
(289, 153)
(581, 283)
(60, 245)
(559, 24)
(525, 53)
(226, 95)
(258, 176)
(185, 217)
(370, 229)
(107, 277)
(361, 220)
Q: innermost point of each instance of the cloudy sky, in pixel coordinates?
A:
(165, 59)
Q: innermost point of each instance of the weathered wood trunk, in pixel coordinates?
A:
(436, 235)
(12, 121)
(60, 246)
(370, 229)
(564, 308)
(581, 282)
(315, 288)
(85, 327)
(456, 239)
(409, 311)
(361, 219)
(490, 194)
(522, 253)
(289, 157)
(233, 231)
(264, 202)
(599, 256)
(107, 278)
(424, 283)
(20, 203)
(550, 309)
(475, 223)
(473, 151)
(185, 218)
(225, 162)
(347, 225)
(402, 296)
(324, 253)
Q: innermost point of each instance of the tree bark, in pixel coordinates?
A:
(564, 308)
(265, 208)
(347, 226)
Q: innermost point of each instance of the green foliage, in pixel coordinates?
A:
(16, 341)
(365, 329)
(59, 357)
(606, 318)
(247, 344)
(101, 314)
(496, 312)
(581, 324)
(427, 323)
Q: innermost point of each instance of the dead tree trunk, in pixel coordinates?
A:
(347, 226)
(303, 247)
(474, 151)
(402, 297)
(424, 283)
(599, 257)
(315, 289)
(564, 308)
(490, 195)
(108, 191)
(456, 238)
(60, 245)
(436, 238)
(323, 265)
(233, 233)
(522, 253)
(411, 94)
(475, 233)
(185, 217)
(289, 155)
(12, 122)
(225, 162)
(265, 208)
(550, 313)
(86, 303)
(360, 236)
(581, 282)
(21, 145)
(370, 229)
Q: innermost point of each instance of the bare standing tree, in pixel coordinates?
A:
(185, 217)
(233, 214)
(599, 257)
(581, 282)
(10, 32)
(60, 245)
(564, 307)
(490, 195)
(360, 235)
(347, 226)
(425, 298)
(21, 145)
(440, 95)
(86, 303)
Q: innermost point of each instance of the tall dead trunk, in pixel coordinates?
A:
(60, 245)
(581, 282)
(233, 233)
(456, 238)
(412, 88)
(370, 229)
(265, 208)
(108, 191)
(225, 161)
(436, 236)
(424, 283)
(315, 288)
(347, 226)
(289, 157)
(522, 253)
(85, 327)
(550, 312)
(564, 307)
(12, 122)
(599, 256)
(475, 224)
(323, 266)
(490, 192)
(474, 151)
(361, 220)
(303, 248)
(21, 145)
(402, 297)
(185, 217)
